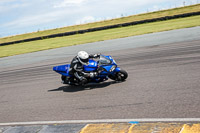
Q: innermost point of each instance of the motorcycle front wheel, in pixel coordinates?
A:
(122, 75)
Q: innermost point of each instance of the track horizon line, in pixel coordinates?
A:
(102, 121)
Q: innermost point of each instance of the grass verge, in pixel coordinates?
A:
(45, 44)
(151, 15)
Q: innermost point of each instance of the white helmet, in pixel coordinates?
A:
(83, 57)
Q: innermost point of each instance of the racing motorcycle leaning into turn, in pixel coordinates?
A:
(106, 67)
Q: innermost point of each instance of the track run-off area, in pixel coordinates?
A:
(163, 82)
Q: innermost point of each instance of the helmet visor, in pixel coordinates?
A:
(85, 60)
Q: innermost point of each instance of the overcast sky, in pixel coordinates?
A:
(24, 16)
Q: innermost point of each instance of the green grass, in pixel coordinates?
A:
(170, 12)
(45, 44)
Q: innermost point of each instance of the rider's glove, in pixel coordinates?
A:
(97, 55)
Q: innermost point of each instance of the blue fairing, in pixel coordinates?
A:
(92, 66)
(117, 69)
(107, 69)
(63, 69)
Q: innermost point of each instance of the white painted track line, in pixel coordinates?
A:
(103, 121)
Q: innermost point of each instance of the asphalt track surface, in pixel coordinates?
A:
(163, 82)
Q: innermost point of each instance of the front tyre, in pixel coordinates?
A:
(122, 75)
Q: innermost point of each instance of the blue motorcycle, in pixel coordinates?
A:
(106, 68)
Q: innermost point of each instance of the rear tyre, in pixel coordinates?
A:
(64, 79)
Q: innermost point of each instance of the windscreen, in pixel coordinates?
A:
(104, 60)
